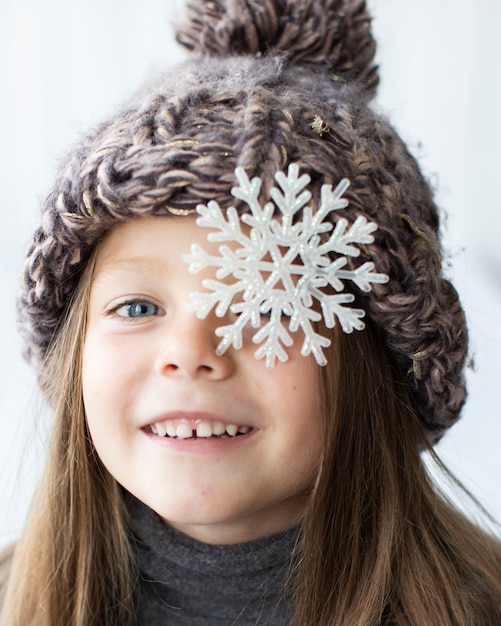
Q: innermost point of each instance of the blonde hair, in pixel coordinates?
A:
(77, 526)
(379, 542)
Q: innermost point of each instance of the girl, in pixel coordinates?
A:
(236, 305)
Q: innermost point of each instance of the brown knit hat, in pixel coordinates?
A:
(273, 82)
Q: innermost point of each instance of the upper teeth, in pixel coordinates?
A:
(202, 429)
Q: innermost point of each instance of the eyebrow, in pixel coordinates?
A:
(132, 264)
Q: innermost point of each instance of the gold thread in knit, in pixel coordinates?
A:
(319, 126)
(182, 143)
(420, 233)
(289, 117)
(179, 212)
(416, 368)
(224, 153)
(107, 201)
(180, 183)
(74, 216)
(87, 203)
(285, 156)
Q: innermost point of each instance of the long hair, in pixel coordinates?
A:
(379, 540)
(72, 563)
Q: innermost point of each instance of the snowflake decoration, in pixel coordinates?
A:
(280, 266)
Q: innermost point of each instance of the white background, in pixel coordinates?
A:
(67, 65)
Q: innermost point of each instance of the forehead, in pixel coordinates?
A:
(149, 240)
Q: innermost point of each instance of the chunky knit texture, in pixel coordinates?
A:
(273, 82)
(188, 583)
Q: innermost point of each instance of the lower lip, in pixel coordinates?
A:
(200, 444)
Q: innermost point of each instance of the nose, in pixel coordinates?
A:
(188, 349)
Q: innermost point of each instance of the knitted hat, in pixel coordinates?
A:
(272, 82)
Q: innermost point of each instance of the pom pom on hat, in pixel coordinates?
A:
(333, 35)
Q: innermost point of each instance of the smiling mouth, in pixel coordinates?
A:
(202, 430)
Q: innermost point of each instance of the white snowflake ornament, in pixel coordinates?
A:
(280, 265)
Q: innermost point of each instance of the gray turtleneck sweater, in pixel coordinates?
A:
(188, 583)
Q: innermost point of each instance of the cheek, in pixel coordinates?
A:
(105, 379)
(107, 362)
(299, 390)
(305, 410)
(106, 397)
(294, 398)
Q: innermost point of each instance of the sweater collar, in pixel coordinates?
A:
(240, 583)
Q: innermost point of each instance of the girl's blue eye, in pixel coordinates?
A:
(140, 308)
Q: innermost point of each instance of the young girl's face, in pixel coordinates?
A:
(150, 367)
